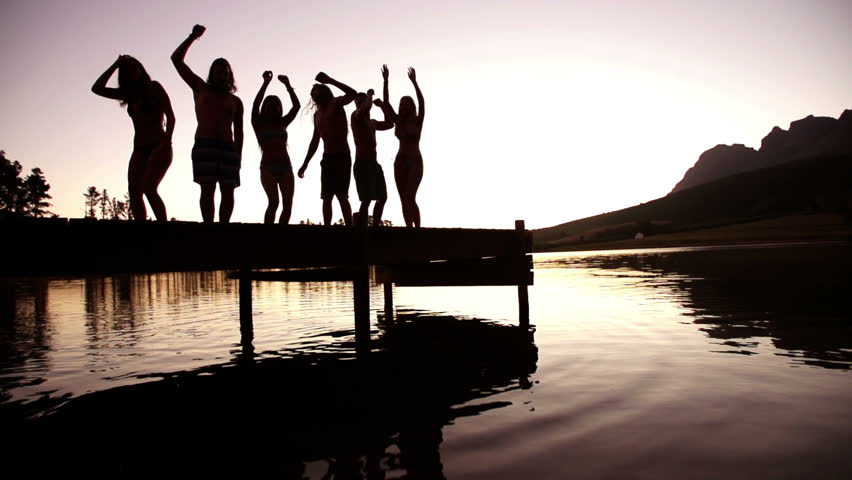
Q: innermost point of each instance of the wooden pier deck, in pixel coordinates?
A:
(401, 256)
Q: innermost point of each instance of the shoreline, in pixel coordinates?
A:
(803, 229)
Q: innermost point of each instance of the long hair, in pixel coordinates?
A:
(271, 100)
(130, 87)
(403, 119)
(230, 85)
(323, 93)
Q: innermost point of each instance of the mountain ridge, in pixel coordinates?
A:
(807, 137)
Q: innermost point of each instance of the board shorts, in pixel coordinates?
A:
(336, 174)
(370, 178)
(215, 160)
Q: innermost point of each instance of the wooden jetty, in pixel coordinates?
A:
(400, 256)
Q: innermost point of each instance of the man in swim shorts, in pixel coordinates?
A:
(369, 176)
(217, 150)
(330, 125)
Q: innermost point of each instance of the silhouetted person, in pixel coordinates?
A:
(270, 127)
(147, 102)
(408, 166)
(216, 154)
(369, 177)
(330, 125)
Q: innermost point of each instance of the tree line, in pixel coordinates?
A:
(22, 196)
(99, 202)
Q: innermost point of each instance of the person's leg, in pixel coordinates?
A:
(378, 209)
(136, 185)
(399, 176)
(270, 187)
(364, 209)
(414, 178)
(208, 207)
(226, 205)
(158, 164)
(287, 186)
(326, 211)
(342, 193)
(381, 195)
(345, 209)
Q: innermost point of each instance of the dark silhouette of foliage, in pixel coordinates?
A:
(93, 196)
(105, 205)
(22, 196)
(110, 207)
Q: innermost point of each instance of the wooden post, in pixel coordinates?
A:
(388, 301)
(523, 294)
(361, 286)
(246, 322)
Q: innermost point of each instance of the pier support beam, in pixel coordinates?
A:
(523, 293)
(246, 322)
(361, 286)
(388, 301)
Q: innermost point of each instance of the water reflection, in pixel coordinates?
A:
(295, 413)
(794, 296)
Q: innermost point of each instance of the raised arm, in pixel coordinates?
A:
(255, 106)
(387, 122)
(194, 81)
(166, 106)
(312, 149)
(100, 88)
(421, 108)
(348, 92)
(294, 100)
(385, 95)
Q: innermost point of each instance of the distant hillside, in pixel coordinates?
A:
(821, 184)
(808, 137)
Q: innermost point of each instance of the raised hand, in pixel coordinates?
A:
(198, 31)
(378, 102)
(267, 76)
(412, 74)
(371, 92)
(323, 78)
(385, 72)
(283, 79)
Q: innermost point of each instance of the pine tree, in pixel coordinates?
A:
(105, 205)
(92, 196)
(35, 194)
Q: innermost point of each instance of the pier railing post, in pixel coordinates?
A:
(361, 285)
(523, 293)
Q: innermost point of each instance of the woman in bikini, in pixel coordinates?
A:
(147, 103)
(276, 172)
(408, 165)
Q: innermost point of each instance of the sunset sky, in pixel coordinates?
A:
(547, 111)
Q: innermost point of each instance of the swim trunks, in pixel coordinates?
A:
(215, 160)
(336, 173)
(370, 178)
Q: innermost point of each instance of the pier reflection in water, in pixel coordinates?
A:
(379, 416)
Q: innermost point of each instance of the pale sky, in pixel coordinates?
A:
(547, 111)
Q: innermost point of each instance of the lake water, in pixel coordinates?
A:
(665, 363)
